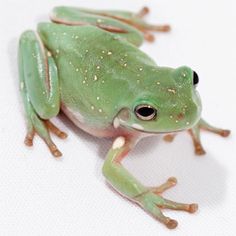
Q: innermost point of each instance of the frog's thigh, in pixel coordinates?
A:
(38, 76)
(39, 88)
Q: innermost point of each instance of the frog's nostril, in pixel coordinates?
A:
(180, 116)
(195, 78)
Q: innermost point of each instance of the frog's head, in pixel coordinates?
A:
(167, 101)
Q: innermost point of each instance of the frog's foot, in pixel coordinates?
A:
(128, 25)
(152, 202)
(169, 137)
(161, 28)
(144, 27)
(43, 127)
(195, 134)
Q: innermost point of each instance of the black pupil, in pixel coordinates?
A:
(195, 78)
(145, 111)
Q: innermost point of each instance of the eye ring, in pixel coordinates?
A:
(145, 112)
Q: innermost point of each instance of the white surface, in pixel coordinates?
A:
(42, 196)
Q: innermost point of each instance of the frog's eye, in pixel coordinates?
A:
(195, 78)
(145, 112)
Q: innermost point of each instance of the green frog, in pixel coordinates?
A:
(87, 64)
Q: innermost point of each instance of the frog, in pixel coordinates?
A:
(87, 64)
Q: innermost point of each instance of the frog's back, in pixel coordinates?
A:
(99, 72)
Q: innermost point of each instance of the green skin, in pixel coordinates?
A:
(87, 64)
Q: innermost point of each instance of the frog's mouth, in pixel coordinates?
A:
(154, 133)
(139, 129)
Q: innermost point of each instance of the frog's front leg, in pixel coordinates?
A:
(39, 89)
(148, 198)
(195, 134)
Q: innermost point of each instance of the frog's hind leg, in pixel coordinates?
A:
(127, 25)
(195, 134)
(39, 89)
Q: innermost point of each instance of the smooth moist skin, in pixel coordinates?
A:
(87, 63)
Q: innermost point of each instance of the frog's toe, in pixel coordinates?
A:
(49, 126)
(153, 203)
(171, 182)
(143, 12)
(158, 28)
(199, 150)
(203, 125)
(168, 204)
(29, 138)
(171, 224)
(193, 208)
(195, 135)
(148, 36)
(54, 150)
(225, 133)
(43, 128)
(145, 29)
(222, 132)
(169, 137)
(54, 129)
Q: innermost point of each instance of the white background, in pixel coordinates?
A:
(43, 196)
